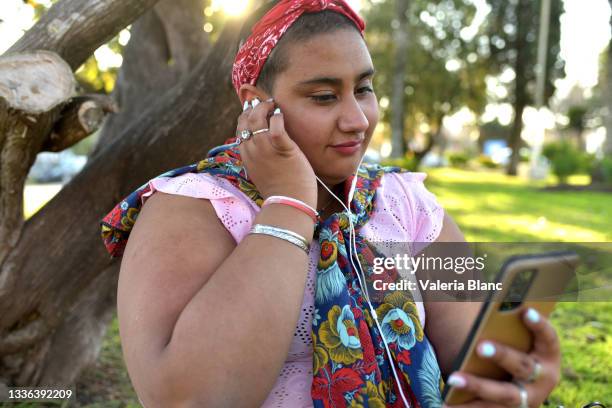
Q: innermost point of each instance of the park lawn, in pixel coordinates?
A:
(491, 207)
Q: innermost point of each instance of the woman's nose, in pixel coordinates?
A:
(352, 118)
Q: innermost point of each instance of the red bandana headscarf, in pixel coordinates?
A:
(268, 31)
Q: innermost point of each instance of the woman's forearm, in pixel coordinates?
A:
(230, 341)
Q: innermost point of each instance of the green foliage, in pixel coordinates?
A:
(606, 169)
(408, 162)
(92, 79)
(432, 91)
(511, 31)
(577, 116)
(486, 161)
(458, 159)
(565, 159)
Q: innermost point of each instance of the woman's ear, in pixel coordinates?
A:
(249, 92)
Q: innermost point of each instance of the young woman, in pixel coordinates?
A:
(233, 292)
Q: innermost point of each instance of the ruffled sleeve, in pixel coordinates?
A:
(426, 214)
(405, 211)
(233, 208)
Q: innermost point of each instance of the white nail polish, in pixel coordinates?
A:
(277, 111)
(255, 102)
(245, 106)
(533, 316)
(487, 349)
(456, 381)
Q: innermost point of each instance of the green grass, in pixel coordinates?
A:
(488, 206)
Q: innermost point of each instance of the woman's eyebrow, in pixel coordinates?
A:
(334, 81)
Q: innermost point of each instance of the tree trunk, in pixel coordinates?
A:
(74, 29)
(520, 91)
(165, 44)
(433, 139)
(34, 87)
(57, 283)
(398, 141)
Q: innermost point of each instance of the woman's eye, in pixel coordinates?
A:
(365, 89)
(332, 97)
(323, 98)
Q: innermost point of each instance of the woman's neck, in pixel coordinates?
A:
(325, 201)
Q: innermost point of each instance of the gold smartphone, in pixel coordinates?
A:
(535, 281)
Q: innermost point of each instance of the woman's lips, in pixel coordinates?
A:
(348, 148)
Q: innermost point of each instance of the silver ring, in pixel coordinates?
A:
(523, 393)
(245, 134)
(535, 374)
(260, 131)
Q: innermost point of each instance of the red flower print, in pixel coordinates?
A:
(332, 392)
(404, 357)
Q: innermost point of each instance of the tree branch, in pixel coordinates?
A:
(35, 82)
(76, 28)
(82, 117)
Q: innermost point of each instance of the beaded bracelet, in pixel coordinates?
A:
(295, 203)
(289, 236)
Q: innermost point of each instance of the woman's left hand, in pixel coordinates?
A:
(546, 353)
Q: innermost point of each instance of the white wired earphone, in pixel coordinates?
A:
(360, 274)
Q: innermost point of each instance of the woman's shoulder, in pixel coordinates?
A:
(179, 188)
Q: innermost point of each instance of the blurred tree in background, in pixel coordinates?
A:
(509, 41)
(443, 72)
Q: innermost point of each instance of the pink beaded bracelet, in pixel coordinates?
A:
(292, 202)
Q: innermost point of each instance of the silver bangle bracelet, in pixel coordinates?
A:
(289, 236)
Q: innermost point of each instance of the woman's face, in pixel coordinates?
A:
(327, 99)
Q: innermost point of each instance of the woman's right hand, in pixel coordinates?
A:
(274, 162)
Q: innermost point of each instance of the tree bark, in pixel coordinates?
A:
(520, 93)
(178, 128)
(433, 139)
(398, 94)
(74, 29)
(82, 117)
(165, 44)
(33, 87)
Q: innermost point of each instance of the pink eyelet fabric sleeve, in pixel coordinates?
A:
(427, 215)
(234, 209)
(405, 211)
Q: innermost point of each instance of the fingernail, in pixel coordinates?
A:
(277, 111)
(486, 349)
(255, 102)
(532, 315)
(270, 100)
(456, 381)
(245, 106)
